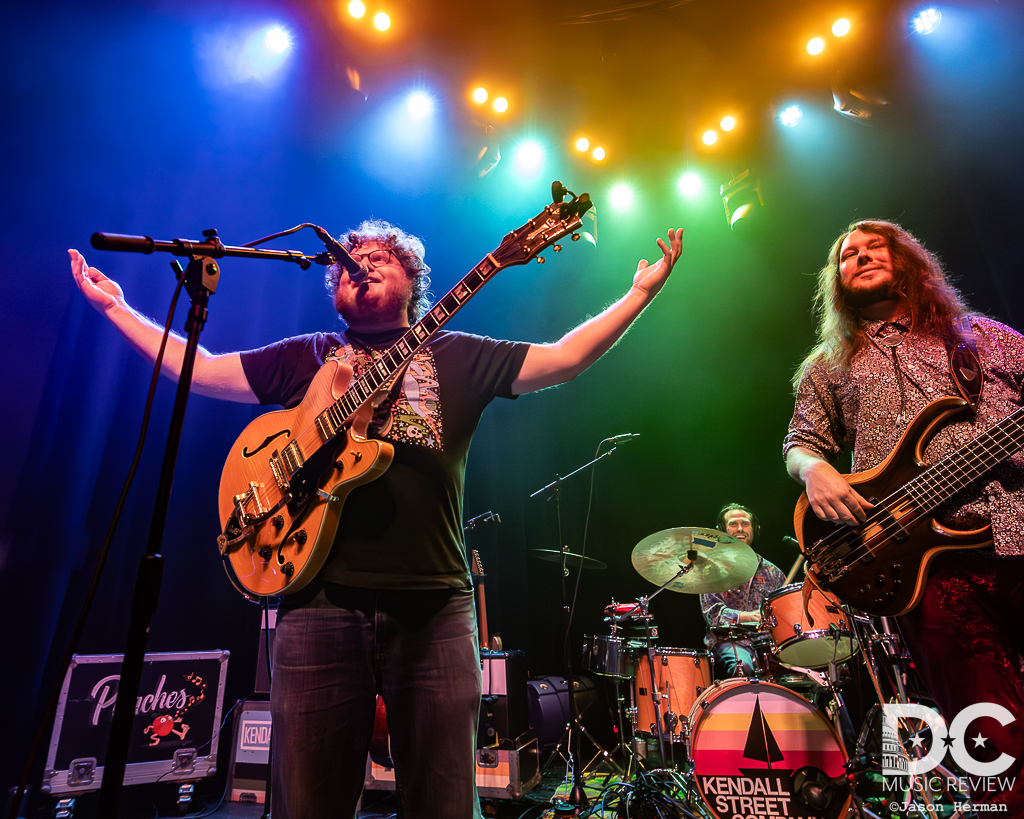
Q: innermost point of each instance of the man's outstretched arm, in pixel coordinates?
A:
(216, 376)
(549, 364)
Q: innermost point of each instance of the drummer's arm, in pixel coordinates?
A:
(716, 613)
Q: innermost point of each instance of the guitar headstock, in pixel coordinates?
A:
(558, 219)
(476, 566)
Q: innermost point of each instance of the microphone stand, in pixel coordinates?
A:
(201, 278)
(577, 796)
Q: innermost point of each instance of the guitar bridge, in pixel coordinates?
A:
(250, 498)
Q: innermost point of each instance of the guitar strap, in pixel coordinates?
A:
(964, 363)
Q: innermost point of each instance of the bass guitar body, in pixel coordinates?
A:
(881, 566)
(284, 485)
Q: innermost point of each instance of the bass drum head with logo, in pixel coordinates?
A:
(751, 740)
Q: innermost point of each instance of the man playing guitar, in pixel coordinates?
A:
(894, 337)
(392, 607)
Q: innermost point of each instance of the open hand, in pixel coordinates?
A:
(650, 278)
(101, 292)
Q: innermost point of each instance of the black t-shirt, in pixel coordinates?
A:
(404, 529)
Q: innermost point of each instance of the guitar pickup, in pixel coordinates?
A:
(292, 458)
(897, 532)
(277, 469)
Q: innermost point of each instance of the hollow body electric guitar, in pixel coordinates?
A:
(287, 476)
(881, 566)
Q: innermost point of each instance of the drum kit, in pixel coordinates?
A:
(745, 741)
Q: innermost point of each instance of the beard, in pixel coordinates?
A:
(374, 302)
(857, 298)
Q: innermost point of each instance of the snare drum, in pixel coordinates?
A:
(748, 742)
(799, 642)
(608, 656)
(681, 676)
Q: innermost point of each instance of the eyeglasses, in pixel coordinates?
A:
(376, 258)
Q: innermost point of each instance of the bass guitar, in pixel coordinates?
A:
(880, 567)
(286, 478)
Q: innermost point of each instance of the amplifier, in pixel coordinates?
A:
(250, 753)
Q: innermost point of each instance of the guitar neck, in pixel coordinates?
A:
(391, 361)
(940, 482)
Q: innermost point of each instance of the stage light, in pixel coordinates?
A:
(500, 105)
(382, 21)
(599, 153)
(489, 151)
(277, 40)
(709, 138)
(727, 123)
(420, 104)
(690, 184)
(582, 145)
(841, 27)
(621, 196)
(357, 9)
(815, 46)
(791, 116)
(235, 56)
(480, 95)
(740, 196)
(529, 157)
(859, 106)
(927, 21)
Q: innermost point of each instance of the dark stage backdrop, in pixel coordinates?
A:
(112, 124)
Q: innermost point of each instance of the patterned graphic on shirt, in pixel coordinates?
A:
(413, 416)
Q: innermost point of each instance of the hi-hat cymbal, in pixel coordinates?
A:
(720, 562)
(571, 559)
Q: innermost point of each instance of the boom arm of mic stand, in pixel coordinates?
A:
(556, 483)
(212, 248)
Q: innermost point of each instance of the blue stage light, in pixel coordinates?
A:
(791, 116)
(927, 21)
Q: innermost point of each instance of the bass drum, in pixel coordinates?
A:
(754, 744)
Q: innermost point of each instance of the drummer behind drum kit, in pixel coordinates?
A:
(754, 745)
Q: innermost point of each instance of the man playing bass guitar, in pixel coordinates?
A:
(392, 606)
(895, 336)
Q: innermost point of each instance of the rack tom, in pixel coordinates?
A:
(808, 639)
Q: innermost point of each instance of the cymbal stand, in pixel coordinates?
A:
(641, 606)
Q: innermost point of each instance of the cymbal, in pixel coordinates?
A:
(571, 559)
(721, 563)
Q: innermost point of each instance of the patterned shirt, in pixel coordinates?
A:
(866, 407)
(722, 609)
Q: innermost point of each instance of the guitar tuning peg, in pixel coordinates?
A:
(556, 248)
(541, 260)
(575, 237)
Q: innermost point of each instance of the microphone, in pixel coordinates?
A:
(790, 540)
(627, 436)
(338, 254)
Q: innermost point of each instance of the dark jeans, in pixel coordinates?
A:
(733, 660)
(965, 638)
(332, 654)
